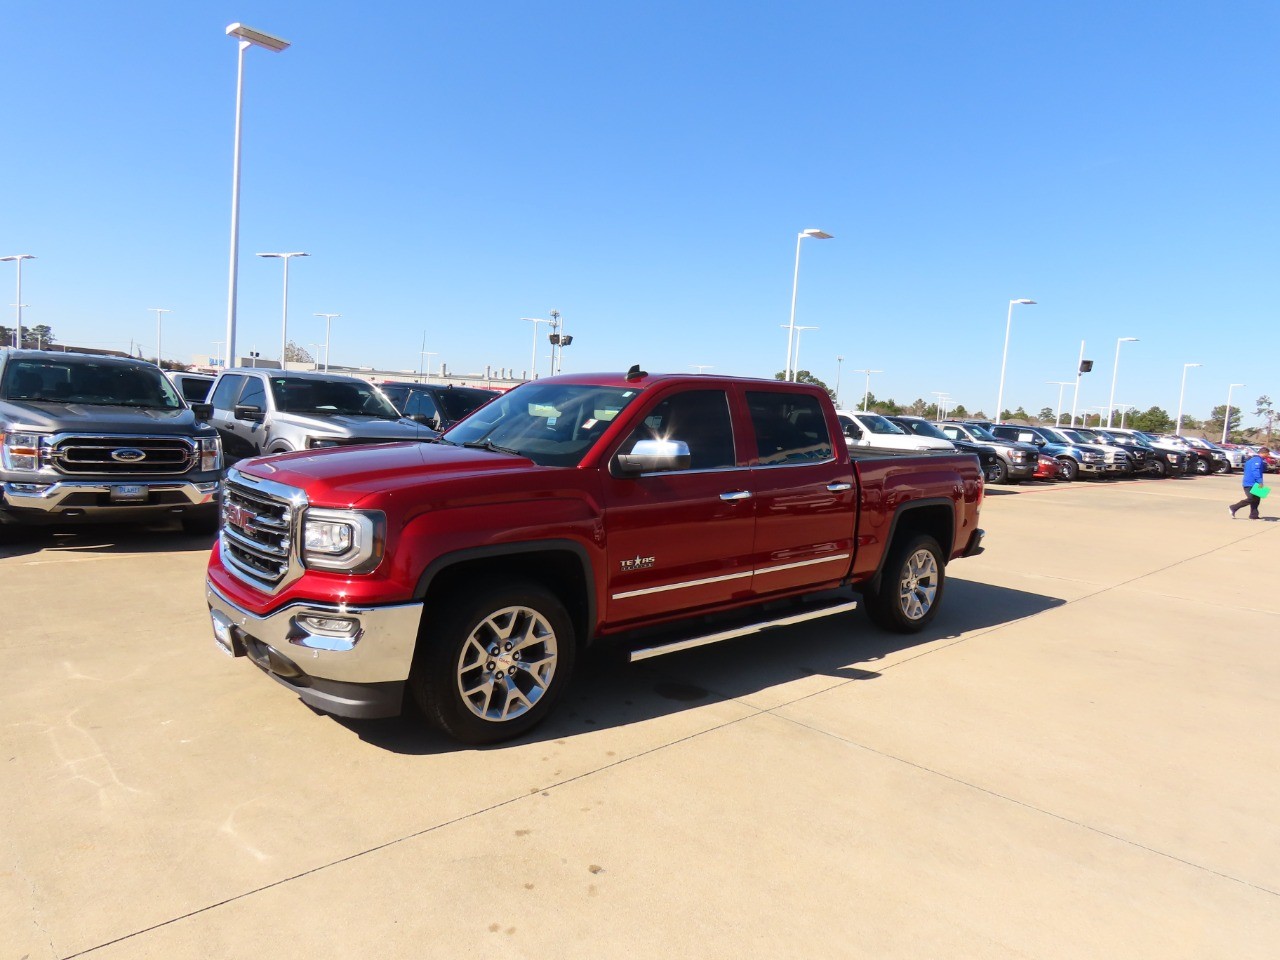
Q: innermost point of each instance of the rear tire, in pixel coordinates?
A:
(911, 586)
(493, 663)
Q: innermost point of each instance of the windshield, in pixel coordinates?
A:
(1080, 436)
(553, 424)
(457, 402)
(878, 424)
(924, 428)
(87, 382)
(1054, 436)
(982, 433)
(352, 398)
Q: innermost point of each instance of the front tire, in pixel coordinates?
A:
(999, 472)
(1070, 469)
(911, 586)
(1202, 467)
(493, 665)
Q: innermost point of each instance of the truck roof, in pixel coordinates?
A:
(645, 380)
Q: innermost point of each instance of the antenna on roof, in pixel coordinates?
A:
(635, 373)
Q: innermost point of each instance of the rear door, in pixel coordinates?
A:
(680, 541)
(804, 493)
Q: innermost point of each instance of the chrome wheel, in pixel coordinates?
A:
(919, 584)
(507, 664)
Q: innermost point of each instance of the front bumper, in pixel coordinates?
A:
(360, 674)
(101, 499)
(1021, 470)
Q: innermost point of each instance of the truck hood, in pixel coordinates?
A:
(346, 476)
(92, 418)
(909, 441)
(347, 425)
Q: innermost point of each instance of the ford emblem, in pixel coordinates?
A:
(128, 455)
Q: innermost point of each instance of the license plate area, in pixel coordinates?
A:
(224, 635)
(128, 493)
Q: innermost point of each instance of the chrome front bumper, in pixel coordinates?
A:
(378, 649)
(52, 497)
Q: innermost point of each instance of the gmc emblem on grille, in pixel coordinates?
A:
(128, 455)
(238, 516)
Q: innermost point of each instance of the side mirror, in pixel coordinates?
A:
(251, 413)
(653, 456)
(852, 431)
(434, 423)
(203, 411)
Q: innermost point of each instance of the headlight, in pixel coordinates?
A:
(21, 451)
(317, 442)
(1093, 457)
(210, 454)
(1171, 457)
(350, 540)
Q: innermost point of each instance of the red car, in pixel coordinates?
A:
(1048, 468)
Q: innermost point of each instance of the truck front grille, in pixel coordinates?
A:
(258, 523)
(122, 456)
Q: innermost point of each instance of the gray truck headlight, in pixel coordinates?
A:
(314, 443)
(347, 540)
(21, 451)
(1093, 458)
(210, 454)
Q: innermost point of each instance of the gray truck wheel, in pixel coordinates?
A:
(999, 472)
(492, 665)
(911, 585)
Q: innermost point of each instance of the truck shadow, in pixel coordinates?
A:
(103, 538)
(609, 692)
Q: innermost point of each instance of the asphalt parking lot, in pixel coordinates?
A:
(1078, 759)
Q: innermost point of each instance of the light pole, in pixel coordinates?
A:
(159, 311)
(795, 331)
(314, 362)
(427, 354)
(941, 397)
(1181, 393)
(246, 38)
(533, 362)
(1115, 368)
(217, 346)
(17, 258)
(1008, 323)
(815, 234)
(866, 393)
(284, 319)
(328, 319)
(839, 361)
(557, 345)
(1124, 408)
(1075, 397)
(1226, 417)
(1057, 420)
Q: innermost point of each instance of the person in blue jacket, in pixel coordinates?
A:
(1254, 469)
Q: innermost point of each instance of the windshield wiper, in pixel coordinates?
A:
(490, 445)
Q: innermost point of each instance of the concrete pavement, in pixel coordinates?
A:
(1077, 760)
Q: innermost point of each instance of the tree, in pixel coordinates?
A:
(918, 407)
(1006, 416)
(1266, 412)
(1154, 420)
(33, 338)
(1213, 425)
(959, 411)
(804, 376)
(1046, 415)
(295, 354)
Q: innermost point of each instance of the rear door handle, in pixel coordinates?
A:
(838, 486)
(736, 495)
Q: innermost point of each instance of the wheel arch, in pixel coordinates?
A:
(934, 516)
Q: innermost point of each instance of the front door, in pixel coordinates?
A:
(680, 541)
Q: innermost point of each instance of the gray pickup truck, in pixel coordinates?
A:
(85, 437)
(258, 412)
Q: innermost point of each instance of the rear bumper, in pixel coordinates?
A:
(95, 500)
(974, 546)
(356, 674)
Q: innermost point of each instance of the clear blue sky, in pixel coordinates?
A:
(645, 167)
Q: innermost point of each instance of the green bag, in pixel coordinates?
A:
(1259, 491)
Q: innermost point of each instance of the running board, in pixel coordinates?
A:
(688, 643)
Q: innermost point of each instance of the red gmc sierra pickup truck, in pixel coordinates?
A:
(658, 512)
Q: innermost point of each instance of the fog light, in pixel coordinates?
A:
(329, 625)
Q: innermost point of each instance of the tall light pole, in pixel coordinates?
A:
(427, 355)
(328, 319)
(866, 393)
(839, 362)
(284, 318)
(1008, 323)
(796, 331)
(217, 346)
(1114, 370)
(941, 397)
(814, 234)
(314, 362)
(1075, 397)
(557, 348)
(1226, 417)
(246, 38)
(160, 312)
(1057, 420)
(17, 258)
(1181, 393)
(533, 361)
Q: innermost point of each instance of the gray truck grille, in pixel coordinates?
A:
(257, 532)
(122, 456)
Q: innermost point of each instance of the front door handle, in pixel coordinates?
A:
(736, 495)
(838, 486)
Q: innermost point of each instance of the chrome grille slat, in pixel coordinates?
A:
(79, 455)
(257, 531)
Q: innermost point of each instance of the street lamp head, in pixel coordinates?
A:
(284, 256)
(1239, 385)
(815, 234)
(257, 37)
(1023, 301)
(17, 256)
(1193, 365)
(1128, 340)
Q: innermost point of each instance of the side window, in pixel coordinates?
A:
(698, 417)
(420, 405)
(850, 428)
(396, 395)
(194, 390)
(254, 395)
(952, 433)
(789, 427)
(224, 396)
